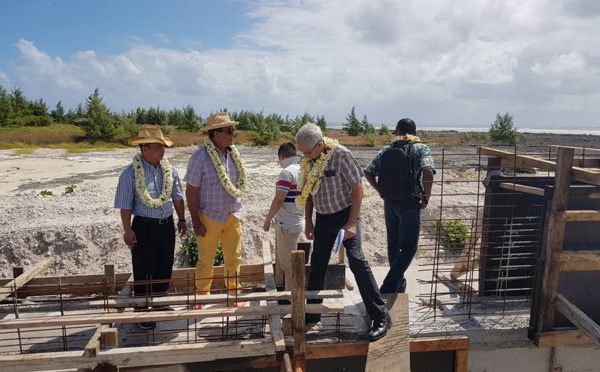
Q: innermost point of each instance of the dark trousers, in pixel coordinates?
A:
(403, 226)
(327, 227)
(152, 256)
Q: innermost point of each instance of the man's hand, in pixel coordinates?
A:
(309, 230)
(267, 225)
(349, 230)
(130, 238)
(181, 228)
(200, 230)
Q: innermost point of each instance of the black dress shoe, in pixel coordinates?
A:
(380, 328)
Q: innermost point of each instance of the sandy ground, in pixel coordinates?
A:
(82, 230)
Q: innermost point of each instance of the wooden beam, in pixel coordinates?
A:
(580, 216)
(93, 346)
(521, 188)
(109, 338)
(158, 316)
(526, 161)
(443, 343)
(561, 338)
(298, 310)
(578, 317)
(111, 279)
(18, 271)
(274, 319)
(330, 350)
(576, 150)
(461, 361)
(553, 240)
(14, 285)
(140, 356)
(578, 260)
(392, 352)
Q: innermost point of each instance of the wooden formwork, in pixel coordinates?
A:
(566, 169)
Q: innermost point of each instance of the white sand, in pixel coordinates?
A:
(82, 230)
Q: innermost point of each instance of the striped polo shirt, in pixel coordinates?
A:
(289, 216)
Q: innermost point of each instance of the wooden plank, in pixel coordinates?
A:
(578, 260)
(22, 279)
(109, 338)
(125, 302)
(561, 338)
(392, 352)
(140, 356)
(457, 285)
(331, 350)
(298, 310)
(521, 188)
(92, 348)
(553, 241)
(526, 161)
(579, 216)
(274, 319)
(578, 317)
(158, 316)
(461, 360)
(443, 343)
(576, 150)
(18, 271)
(111, 279)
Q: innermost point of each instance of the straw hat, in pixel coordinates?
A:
(151, 134)
(218, 120)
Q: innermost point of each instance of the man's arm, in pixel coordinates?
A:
(179, 206)
(191, 195)
(128, 233)
(356, 200)
(427, 185)
(372, 181)
(309, 228)
(276, 205)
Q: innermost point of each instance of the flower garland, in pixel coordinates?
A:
(220, 168)
(311, 172)
(140, 183)
(406, 137)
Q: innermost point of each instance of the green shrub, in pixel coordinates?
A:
(503, 130)
(384, 130)
(454, 234)
(189, 249)
(70, 189)
(370, 139)
(46, 193)
(478, 137)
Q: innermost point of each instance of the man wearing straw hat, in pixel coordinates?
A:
(149, 189)
(216, 180)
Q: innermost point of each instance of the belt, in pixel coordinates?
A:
(158, 221)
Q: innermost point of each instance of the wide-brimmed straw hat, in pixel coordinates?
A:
(218, 120)
(151, 134)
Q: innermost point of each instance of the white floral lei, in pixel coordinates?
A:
(140, 182)
(406, 137)
(220, 168)
(311, 172)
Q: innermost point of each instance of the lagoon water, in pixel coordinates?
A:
(540, 128)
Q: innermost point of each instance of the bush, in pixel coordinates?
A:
(384, 130)
(453, 234)
(503, 130)
(478, 137)
(189, 249)
(370, 139)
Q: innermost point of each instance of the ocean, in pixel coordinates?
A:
(540, 128)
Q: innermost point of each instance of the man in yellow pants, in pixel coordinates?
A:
(216, 180)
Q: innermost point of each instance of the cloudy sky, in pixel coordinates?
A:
(440, 62)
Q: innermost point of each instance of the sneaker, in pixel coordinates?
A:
(147, 326)
(162, 308)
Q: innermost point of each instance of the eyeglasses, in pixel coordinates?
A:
(307, 153)
(154, 146)
(228, 130)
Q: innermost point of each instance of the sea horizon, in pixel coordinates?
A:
(541, 128)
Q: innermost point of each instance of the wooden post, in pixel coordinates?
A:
(109, 338)
(286, 363)
(298, 313)
(17, 271)
(554, 239)
(111, 279)
(15, 284)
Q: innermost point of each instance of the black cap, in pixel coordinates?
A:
(406, 126)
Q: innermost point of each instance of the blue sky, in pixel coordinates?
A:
(439, 62)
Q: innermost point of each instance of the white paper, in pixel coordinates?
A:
(338, 241)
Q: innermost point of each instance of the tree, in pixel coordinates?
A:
(503, 129)
(58, 114)
(20, 104)
(99, 124)
(352, 126)
(366, 127)
(322, 123)
(6, 110)
(190, 121)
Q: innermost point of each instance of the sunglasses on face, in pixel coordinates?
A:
(226, 130)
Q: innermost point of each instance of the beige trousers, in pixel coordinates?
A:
(286, 243)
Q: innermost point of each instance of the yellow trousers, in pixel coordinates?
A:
(230, 236)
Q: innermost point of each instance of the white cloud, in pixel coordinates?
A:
(437, 61)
